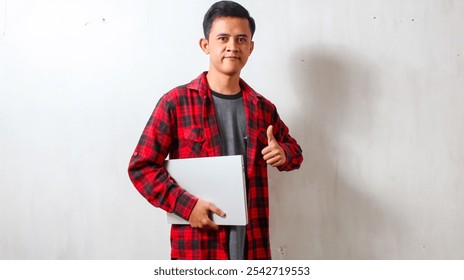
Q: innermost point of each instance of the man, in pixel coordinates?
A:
(216, 114)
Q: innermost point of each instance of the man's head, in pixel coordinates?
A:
(228, 38)
(226, 9)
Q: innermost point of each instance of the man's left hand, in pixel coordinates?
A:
(273, 154)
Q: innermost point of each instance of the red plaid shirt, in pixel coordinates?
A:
(183, 125)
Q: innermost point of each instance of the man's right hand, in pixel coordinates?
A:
(200, 216)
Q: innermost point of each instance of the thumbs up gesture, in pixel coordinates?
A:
(273, 154)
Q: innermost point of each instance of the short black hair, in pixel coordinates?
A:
(226, 9)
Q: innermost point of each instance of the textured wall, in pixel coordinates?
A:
(372, 90)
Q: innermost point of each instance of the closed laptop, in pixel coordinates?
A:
(220, 180)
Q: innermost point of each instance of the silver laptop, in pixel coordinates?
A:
(220, 180)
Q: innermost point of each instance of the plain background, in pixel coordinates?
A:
(372, 90)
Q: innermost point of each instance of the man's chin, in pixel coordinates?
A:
(232, 72)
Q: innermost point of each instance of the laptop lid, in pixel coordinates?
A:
(220, 180)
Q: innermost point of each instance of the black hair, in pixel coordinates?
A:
(226, 9)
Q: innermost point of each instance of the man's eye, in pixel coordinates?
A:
(242, 40)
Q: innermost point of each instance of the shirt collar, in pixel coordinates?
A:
(200, 84)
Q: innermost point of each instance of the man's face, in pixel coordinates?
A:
(229, 45)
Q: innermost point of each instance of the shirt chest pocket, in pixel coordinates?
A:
(192, 143)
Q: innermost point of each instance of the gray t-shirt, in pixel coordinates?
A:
(230, 114)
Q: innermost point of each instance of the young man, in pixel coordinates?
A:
(216, 114)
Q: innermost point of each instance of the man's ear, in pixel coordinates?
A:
(204, 45)
(252, 46)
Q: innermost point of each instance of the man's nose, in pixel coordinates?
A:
(232, 46)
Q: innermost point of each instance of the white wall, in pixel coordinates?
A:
(373, 91)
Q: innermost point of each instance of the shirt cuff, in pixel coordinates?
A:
(288, 159)
(184, 205)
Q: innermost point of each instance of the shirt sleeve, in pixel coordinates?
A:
(292, 149)
(146, 168)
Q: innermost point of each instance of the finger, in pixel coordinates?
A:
(212, 225)
(269, 154)
(213, 208)
(273, 161)
(206, 223)
(270, 134)
(209, 223)
(277, 163)
(266, 150)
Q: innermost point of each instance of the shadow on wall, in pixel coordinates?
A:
(328, 211)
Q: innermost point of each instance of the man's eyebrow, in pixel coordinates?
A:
(228, 35)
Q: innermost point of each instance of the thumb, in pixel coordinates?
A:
(270, 135)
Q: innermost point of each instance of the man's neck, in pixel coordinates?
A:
(223, 83)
